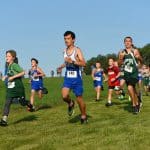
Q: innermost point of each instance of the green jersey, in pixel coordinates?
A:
(15, 88)
(130, 67)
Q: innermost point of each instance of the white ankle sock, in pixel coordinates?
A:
(5, 118)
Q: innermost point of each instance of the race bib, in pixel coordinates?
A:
(128, 69)
(71, 74)
(97, 78)
(11, 85)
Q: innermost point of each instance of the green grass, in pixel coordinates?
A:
(50, 128)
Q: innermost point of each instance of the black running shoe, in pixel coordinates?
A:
(31, 108)
(97, 100)
(84, 121)
(3, 123)
(108, 104)
(135, 110)
(138, 107)
(102, 88)
(71, 109)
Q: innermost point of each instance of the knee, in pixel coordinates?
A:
(79, 99)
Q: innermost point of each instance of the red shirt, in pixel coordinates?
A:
(112, 73)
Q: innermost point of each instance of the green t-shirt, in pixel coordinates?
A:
(15, 88)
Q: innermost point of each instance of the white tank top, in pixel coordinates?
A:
(72, 56)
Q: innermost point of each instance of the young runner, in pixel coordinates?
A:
(36, 75)
(15, 87)
(113, 81)
(140, 86)
(74, 59)
(97, 75)
(122, 82)
(146, 76)
(130, 58)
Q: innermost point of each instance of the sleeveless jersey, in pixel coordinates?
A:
(35, 79)
(98, 75)
(130, 66)
(72, 71)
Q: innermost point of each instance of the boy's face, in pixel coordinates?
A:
(110, 62)
(68, 40)
(98, 65)
(33, 63)
(9, 58)
(128, 43)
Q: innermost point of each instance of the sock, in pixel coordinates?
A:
(5, 118)
(109, 101)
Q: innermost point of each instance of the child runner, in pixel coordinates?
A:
(97, 75)
(113, 81)
(36, 75)
(15, 88)
(74, 60)
(146, 76)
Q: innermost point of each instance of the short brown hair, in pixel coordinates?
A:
(12, 52)
(128, 37)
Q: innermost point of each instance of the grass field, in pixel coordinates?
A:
(49, 128)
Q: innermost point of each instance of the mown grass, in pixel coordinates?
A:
(50, 128)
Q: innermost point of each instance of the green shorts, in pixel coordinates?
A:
(146, 81)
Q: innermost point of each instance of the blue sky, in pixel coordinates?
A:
(34, 28)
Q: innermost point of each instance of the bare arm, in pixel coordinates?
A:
(138, 56)
(80, 59)
(93, 71)
(61, 67)
(105, 77)
(42, 74)
(16, 76)
(120, 58)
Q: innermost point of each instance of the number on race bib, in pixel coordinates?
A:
(97, 78)
(11, 85)
(72, 74)
(128, 69)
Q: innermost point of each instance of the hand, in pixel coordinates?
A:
(35, 75)
(121, 55)
(4, 78)
(113, 79)
(105, 80)
(59, 69)
(68, 60)
(10, 78)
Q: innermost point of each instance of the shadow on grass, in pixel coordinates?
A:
(76, 118)
(28, 118)
(43, 107)
(128, 108)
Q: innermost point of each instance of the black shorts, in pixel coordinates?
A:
(116, 88)
(132, 81)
